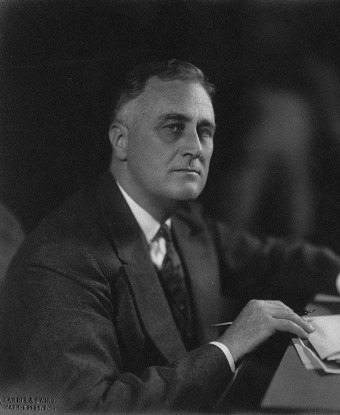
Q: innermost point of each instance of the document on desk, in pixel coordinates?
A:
(322, 350)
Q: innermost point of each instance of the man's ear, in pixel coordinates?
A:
(119, 135)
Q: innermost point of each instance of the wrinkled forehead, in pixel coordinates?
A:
(175, 95)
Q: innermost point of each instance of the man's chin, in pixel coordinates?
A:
(187, 193)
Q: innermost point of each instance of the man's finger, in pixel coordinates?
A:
(296, 325)
(291, 327)
(278, 304)
(289, 315)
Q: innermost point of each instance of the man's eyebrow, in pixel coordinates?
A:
(207, 123)
(177, 116)
(173, 116)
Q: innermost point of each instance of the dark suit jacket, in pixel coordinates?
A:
(84, 318)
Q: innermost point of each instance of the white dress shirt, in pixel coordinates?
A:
(150, 227)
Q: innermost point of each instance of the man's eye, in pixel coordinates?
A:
(205, 133)
(174, 128)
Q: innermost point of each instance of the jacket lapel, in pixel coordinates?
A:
(201, 265)
(132, 250)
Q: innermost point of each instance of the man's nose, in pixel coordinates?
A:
(192, 145)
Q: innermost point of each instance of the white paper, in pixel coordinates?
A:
(326, 337)
(311, 361)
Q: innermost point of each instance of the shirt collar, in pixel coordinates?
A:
(148, 223)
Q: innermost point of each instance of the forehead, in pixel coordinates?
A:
(189, 98)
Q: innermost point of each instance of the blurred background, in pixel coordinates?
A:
(276, 65)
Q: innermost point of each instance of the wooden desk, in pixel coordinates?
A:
(293, 386)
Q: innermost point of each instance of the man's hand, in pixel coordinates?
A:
(258, 321)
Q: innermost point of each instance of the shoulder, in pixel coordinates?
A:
(70, 238)
(72, 217)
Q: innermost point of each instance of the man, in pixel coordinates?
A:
(109, 304)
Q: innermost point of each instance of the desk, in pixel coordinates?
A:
(274, 378)
(295, 387)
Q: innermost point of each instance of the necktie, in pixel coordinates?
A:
(173, 281)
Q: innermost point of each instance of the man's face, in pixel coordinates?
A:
(170, 142)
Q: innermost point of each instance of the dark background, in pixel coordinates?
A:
(62, 60)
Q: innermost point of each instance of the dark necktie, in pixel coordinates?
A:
(173, 280)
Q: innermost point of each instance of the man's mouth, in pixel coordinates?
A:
(189, 170)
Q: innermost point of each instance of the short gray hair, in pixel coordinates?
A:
(171, 70)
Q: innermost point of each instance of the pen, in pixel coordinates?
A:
(299, 312)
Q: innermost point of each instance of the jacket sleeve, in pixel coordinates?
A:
(271, 267)
(59, 339)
